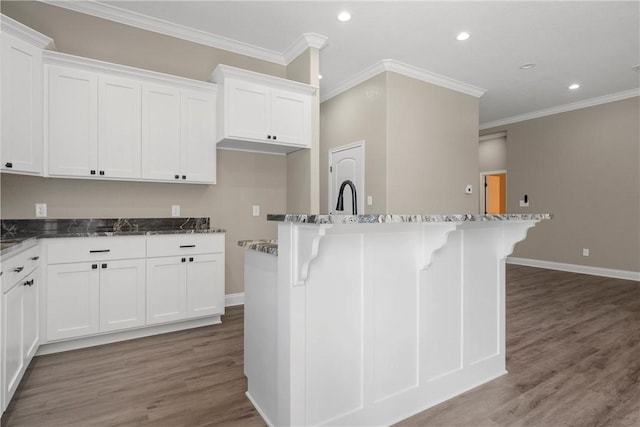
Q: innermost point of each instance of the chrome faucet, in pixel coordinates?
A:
(340, 206)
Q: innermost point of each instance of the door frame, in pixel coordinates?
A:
(482, 192)
(335, 150)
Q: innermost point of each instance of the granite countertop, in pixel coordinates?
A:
(18, 234)
(395, 219)
(266, 246)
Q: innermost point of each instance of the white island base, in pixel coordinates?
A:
(368, 324)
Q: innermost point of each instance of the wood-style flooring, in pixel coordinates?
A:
(573, 356)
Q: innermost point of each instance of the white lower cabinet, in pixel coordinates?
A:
(98, 285)
(73, 300)
(122, 294)
(187, 284)
(167, 290)
(19, 311)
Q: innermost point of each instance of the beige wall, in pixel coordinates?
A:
(583, 166)
(421, 144)
(303, 190)
(244, 179)
(432, 148)
(355, 115)
(493, 154)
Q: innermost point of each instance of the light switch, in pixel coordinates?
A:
(256, 210)
(175, 210)
(369, 200)
(585, 251)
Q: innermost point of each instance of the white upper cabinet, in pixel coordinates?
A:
(72, 122)
(21, 87)
(178, 134)
(262, 113)
(107, 121)
(198, 149)
(119, 124)
(93, 127)
(160, 132)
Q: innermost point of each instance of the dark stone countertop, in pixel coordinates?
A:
(19, 234)
(266, 246)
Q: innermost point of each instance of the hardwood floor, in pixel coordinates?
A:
(573, 355)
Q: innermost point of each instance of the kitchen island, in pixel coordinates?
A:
(369, 319)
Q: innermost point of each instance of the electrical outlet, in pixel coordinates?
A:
(369, 200)
(175, 210)
(256, 210)
(524, 204)
(41, 210)
(468, 189)
(585, 251)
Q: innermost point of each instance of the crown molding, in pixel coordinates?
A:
(563, 108)
(160, 26)
(306, 41)
(406, 70)
(25, 33)
(64, 59)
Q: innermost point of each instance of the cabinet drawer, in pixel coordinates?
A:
(83, 249)
(184, 244)
(18, 267)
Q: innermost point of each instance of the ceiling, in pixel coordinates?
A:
(592, 43)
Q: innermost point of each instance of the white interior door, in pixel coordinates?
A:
(346, 163)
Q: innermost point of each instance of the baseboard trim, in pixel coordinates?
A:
(112, 337)
(234, 299)
(574, 268)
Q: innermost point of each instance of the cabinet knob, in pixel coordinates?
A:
(28, 283)
(184, 260)
(102, 173)
(190, 259)
(92, 172)
(8, 165)
(184, 176)
(35, 258)
(268, 136)
(18, 269)
(176, 176)
(104, 265)
(94, 266)
(274, 137)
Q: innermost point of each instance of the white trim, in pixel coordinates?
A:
(574, 268)
(246, 150)
(111, 337)
(405, 70)
(25, 33)
(64, 59)
(502, 134)
(234, 299)
(223, 72)
(563, 108)
(306, 41)
(139, 20)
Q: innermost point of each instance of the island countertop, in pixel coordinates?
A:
(395, 219)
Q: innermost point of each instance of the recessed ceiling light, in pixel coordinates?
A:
(527, 66)
(344, 16)
(462, 36)
(574, 86)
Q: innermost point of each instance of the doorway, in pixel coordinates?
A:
(493, 200)
(346, 163)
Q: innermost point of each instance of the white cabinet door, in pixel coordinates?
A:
(73, 303)
(205, 285)
(248, 110)
(166, 289)
(119, 121)
(161, 132)
(122, 294)
(22, 137)
(198, 154)
(31, 316)
(13, 357)
(290, 118)
(71, 127)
